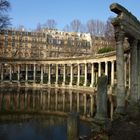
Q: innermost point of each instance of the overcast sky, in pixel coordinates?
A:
(30, 12)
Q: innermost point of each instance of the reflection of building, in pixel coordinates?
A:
(46, 43)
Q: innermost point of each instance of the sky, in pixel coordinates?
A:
(31, 12)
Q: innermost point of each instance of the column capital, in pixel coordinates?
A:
(119, 33)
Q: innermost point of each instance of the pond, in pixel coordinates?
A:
(26, 115)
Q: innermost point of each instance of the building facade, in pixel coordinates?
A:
(43, 44)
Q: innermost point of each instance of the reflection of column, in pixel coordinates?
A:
(85, 102)
(70, 95)
(92, 75)
(99, 69)
(119, 36)
(25, 99)
(85, 83)
(91, 105)
(26, 73)
(1, 72)
(42, 66)
(78, 102)
(64, 75)
(49, 99)
(34, 99)
(34, 74)
(78, 75)
(56, 80)
(49, 74)
(56, 99)
(112, 73)
(71, 75)
(63, 98)
(106, 68)
(18, 74)
(43, 101)
(10, 72)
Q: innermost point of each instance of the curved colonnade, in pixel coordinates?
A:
(61, 72)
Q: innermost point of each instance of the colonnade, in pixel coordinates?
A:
(94, 69)
(89, 71)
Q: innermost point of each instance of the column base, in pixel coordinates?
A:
(63, 84)
(120, 110)
(26, 83)
(91, 85)
(70, 84)
(78, 84)
(56, 84)
(49, 84)
(85, 85)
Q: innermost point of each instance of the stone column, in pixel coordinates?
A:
(92, 75)
(49, 74)
(78, 74)
(99, 69)
(1, 72)
(112, 73)
(106, 68)
(41, 79)
(71, 74)
(129, 72)
(119, 36)
(64, 75)
(125, 69)
(134, 70)
(56, 79)
(139, 71)
(18, 74)
(85, 83)
(10, 72)
(26, 73)
(34, 74)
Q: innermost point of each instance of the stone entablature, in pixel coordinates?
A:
(126, 25)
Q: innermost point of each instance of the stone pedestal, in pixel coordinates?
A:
(101, 120)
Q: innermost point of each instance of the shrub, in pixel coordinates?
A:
(105, 50)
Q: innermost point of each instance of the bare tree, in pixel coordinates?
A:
(4, 19)
(66, 28)
(75, 25)
(96, 27)
(50, 24)
(38, 27)
(109, 31)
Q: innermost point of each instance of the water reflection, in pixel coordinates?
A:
(50, 128)
(46, 100)
(23, 113)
